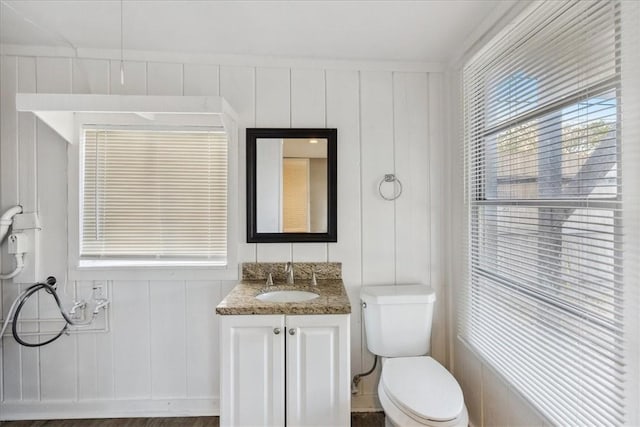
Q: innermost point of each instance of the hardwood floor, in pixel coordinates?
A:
(358, 419)
(120, 422)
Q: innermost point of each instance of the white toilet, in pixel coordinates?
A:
(414, 389)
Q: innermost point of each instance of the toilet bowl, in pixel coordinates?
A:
(418, 391)
(414, 389)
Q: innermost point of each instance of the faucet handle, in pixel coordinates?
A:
(314, 282)
(289, 271)
(270, 280)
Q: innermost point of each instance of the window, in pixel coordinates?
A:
(544, 294)
(152, 184)
(153, 197)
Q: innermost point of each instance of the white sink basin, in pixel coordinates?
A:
(287, 296)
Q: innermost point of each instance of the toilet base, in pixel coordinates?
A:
(395, 417)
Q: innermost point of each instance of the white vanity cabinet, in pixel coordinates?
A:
(252, 373)
(279, 370)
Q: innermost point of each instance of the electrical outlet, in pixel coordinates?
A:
(99, 290)
(18, 243)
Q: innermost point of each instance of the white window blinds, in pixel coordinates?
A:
(544, 296)
(154, 196)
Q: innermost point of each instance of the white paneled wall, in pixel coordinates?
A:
(159, 355)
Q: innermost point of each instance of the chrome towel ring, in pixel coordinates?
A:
(397, 189)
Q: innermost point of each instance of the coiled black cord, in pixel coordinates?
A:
(49, 287)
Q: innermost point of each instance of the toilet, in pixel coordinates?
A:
(414, 389)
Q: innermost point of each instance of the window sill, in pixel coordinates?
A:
(159, 263)
(182, 271)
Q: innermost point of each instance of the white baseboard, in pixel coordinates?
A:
(51, 410)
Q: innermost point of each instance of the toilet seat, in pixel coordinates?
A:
(422, 389)
(395, 417)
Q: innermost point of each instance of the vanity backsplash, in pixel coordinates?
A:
(301, 270)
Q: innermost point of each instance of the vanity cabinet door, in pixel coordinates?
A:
(318, 370)
(252, 370)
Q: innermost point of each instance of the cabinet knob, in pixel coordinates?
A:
(276, 331)
(292, 331)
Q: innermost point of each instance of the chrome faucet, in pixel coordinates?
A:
(289, 272)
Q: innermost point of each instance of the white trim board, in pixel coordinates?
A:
(503, 15)
(12, 411)
(58, 110)
(109, 409)
(221, 59)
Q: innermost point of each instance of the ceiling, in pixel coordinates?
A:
(357, 30)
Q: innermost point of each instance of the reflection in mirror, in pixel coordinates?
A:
(291, 185)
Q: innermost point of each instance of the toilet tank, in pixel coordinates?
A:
(397, 319)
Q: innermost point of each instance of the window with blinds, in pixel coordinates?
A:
(544, 294)
(153, 197)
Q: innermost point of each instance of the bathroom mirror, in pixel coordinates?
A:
(291, 185)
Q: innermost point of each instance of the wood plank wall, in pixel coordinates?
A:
(161, 351)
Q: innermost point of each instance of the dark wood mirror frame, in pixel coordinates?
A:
(331, 135)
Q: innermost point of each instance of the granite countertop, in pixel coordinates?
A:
(242, 299)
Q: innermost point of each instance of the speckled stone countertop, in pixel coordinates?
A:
(301, 270)
(242, 299)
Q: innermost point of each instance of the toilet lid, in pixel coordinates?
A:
(422, 387)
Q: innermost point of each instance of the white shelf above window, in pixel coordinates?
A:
(59, 110)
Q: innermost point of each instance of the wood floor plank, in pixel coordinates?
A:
(367, 419)
(120, 422)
